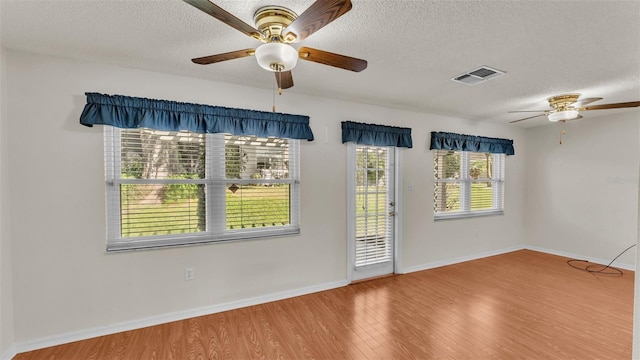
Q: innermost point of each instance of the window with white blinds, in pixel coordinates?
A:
(467, 184)
(169, 188)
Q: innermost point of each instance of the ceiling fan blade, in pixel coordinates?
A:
(318, 15)
(611, 106)
(527, 118)
(585, 101)
(524, 111)
(226, 17)
(331, 59)
(206, 60)
(284, 79)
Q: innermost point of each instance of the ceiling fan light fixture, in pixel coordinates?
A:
(563, 115)
(276, 56)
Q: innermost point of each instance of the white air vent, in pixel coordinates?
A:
(478, 75)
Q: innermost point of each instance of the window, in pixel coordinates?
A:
(467, 184)
(167, 188)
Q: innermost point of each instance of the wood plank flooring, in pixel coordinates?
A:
(521, 305)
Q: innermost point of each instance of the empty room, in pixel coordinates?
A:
(319, 179)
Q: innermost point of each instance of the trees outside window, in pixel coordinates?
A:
(467, 183)
(173, 188)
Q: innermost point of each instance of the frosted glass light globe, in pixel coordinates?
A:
(563, 115)
(276, 53)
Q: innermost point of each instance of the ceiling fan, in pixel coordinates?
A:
(277, 27)
(567, 107)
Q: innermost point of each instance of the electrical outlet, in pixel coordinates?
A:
(410, 187)
(188, 273)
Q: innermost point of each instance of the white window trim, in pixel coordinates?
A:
(216, 230)
(463, 215)
(465, 190)
(351, 201)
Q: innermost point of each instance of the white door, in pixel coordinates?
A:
(371, 210)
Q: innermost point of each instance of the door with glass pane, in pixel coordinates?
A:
(371, 210)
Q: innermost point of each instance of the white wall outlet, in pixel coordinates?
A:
(410, 186)
(188, 273)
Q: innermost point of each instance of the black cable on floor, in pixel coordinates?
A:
(589, 268)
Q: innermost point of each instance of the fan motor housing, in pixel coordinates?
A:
(272, 20)
(562, 102)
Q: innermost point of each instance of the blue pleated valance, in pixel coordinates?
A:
(132, 112)
(378, 135)
(451, 141)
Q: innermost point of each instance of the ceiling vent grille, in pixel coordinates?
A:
(478, 75)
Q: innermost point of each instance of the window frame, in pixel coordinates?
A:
(465, 181)
(215, 181)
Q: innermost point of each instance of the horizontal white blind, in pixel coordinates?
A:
(174, 188)
(482, 180)
(257, 205)
(160, 210)
(373, 224)
(257, 181)
(468, 183)
(447, 184)
(176, 205)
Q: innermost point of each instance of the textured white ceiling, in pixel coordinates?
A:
(413, 48)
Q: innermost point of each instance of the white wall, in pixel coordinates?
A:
(582, 196)
(427, 242)
(6, 287)
(63, 280)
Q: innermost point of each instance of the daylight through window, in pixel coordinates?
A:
(467, 184)
(169, 188)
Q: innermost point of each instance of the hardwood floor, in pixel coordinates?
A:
(524, 305)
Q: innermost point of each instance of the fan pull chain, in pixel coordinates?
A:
(563, 132)
(273, 109)
(278, 68)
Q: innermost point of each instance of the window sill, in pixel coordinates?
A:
(168, 242)
(464, 215)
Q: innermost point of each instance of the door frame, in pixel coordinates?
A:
(351, 200)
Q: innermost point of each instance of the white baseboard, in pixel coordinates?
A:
(631, 267)
(460, 259)
(9, 354)
(165, 318)
(481, 255)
